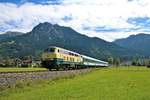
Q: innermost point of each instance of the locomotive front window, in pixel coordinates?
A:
(52, 50)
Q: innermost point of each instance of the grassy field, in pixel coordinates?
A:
(100, 84)
(21, 69)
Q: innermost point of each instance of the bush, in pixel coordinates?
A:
(24, 65)
(148, 64)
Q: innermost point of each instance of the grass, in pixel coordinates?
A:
(100, 84)
(21, 69)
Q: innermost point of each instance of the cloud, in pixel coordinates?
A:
(106, 19)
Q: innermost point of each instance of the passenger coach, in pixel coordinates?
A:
(59, 58)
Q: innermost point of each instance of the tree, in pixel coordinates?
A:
(7, 62)
(117, 61)
(110, 60)
(148, 63)
(134, 62)
(17, 62)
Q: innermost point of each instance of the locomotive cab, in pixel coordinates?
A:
(49, 57)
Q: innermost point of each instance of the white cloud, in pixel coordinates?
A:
(89, 13)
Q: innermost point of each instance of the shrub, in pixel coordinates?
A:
(148, 63)
(25, 65)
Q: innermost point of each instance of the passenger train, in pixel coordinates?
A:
(59, 58)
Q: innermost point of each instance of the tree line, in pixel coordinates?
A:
(134, 62)
(29, 61)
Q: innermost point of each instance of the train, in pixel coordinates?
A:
(59, 58)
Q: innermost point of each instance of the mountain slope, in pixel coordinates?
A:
(9, 34)
(46, 34)
(140, 42)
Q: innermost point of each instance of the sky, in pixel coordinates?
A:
(106, 19)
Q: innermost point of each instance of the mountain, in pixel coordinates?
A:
(139, 42)
(9, 34)
(47, 34)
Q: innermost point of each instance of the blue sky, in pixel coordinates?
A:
(106, 19)
(20, 2)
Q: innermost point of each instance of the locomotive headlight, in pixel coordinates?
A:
(51, 58)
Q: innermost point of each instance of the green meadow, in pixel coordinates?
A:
(100, 84)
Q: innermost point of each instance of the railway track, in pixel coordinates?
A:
(11, 78)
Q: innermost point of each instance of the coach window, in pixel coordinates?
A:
(70, 59)
(67, 58)
(64, 58)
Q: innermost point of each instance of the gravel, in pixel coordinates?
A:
(8, 79)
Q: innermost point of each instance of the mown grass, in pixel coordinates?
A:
(100, 84)
(21, 69)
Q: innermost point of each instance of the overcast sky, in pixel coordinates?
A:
(106, 19)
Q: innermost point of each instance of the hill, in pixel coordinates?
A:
(140, 42)
(47, 34)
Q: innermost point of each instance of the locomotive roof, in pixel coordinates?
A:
(64, 49)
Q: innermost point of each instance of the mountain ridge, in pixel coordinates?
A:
(46, 34)
(139, 42)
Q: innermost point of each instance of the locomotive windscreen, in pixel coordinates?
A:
(50, 50)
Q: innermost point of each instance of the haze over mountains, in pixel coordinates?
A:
(46, 34)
